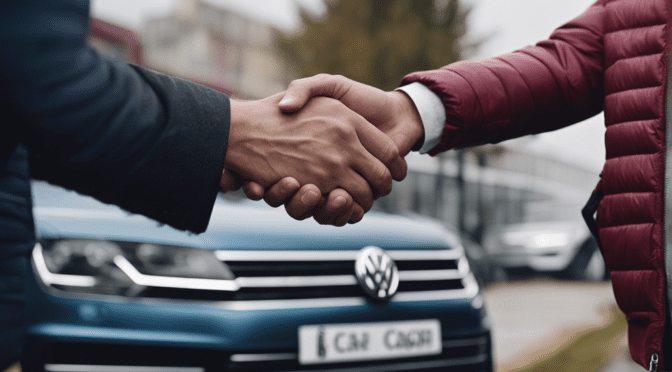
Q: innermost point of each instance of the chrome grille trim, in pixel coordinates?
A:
(296, 281)
(419, 275)
(106, 368)
(469, 291)
(173, 282)
(474, 357)
(285, 255)
(292, 304)
(322, 280)
(242, 358)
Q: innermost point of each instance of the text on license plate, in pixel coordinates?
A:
(367, 341)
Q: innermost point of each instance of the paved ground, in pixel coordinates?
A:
(532, 318)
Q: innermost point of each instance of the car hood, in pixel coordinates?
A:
(234, 225)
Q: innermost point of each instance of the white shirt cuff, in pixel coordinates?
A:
(432, 113)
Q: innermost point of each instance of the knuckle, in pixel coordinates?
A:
(345, 132)
(295, 84)
(335, 161)
(384, 181)
(389, 153)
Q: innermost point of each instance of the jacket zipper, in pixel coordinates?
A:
(653, 366)
(667, 198)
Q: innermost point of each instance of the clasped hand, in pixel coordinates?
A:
(327, 147)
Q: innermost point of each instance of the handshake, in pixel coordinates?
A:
(327, 147)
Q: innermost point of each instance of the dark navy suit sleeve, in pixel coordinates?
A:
(150, 143)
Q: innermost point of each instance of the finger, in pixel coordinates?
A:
(230, 181)
(362, 191)
(281, 192)
(301, 90)
(374, 173)
(383, 148)
(253, 190)
(342, 218)
(336, 210)
(357, 214)
(304, 202)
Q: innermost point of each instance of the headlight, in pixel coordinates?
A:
(127, 269)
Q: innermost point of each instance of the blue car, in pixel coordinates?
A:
(258, 291)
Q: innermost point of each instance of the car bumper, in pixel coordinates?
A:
(104, 334)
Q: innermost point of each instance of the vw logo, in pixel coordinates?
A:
(376, 273)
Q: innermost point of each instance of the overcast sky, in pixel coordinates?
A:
(506, 24)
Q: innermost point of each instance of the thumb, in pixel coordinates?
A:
(293, 101)
(230, 181)
(300, 91)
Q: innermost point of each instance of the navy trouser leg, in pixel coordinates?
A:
(17, 238)
(12, 306)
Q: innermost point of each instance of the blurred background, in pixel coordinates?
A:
(254, 49)
(516, 204)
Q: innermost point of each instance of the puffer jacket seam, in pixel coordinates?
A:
(631, 155)
(633, 28)
(631, 89)
(508, 99)
(631, 57)
(630, 270)
(631, 122)
(478, 99)
(630, 192)
(550, 71)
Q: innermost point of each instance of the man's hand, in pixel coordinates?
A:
(392, 112)
(300, 202)
(325, 144)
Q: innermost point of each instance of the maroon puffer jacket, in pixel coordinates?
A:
(612, 57)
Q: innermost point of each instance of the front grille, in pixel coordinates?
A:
(288, 278)
(464, 354)
(304, 275)
(309, 275)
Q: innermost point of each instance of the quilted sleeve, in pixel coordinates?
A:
(536, 89)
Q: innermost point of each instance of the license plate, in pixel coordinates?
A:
(331, 343)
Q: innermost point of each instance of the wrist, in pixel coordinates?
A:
(409, 117)
(239, 118)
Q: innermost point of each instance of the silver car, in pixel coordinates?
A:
(552, 239)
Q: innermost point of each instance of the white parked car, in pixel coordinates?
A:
(552, 239)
